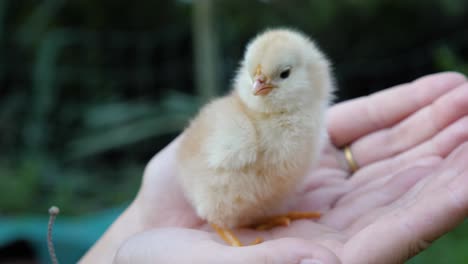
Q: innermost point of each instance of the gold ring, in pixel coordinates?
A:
(350, 159)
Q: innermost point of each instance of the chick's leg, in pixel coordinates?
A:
(285, 219)
(227, 236)
(280, 220)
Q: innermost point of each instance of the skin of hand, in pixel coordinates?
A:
(411, 188)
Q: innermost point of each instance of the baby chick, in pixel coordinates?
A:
(243, 156)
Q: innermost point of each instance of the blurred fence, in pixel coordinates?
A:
(107, 125)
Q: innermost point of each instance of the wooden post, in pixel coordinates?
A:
(205, 49)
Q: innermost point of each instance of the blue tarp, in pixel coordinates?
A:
(73, 236)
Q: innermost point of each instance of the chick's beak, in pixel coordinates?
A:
(261, 84)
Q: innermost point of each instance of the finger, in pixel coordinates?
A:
(414, 130)
(453, 172)
(332, 157)
(375, 182)
(351, 120)
(352, 209)
(437, 208)
(166, 245)
(320, 189)
(416, 175)
(440, 145)
(448, 141)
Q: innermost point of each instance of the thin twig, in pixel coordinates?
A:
(53, 212)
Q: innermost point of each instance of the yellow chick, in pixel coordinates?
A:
(243, 156)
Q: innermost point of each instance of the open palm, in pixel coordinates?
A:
(412, 187)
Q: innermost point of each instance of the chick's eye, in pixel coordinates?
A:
(285, 74)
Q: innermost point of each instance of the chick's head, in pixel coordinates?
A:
(282, 71)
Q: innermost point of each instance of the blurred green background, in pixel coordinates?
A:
(90, 90)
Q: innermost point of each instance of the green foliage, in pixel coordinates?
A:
(446, 59)
(21, 188)
(451, 248)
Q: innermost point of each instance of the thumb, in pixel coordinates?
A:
(176, 245)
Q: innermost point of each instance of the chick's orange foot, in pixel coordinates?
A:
(285, 219)
(229, 237)
(269, 223)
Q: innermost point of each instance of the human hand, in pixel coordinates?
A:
(390, 209)
(391, 233)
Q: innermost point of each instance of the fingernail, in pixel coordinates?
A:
(310, 261)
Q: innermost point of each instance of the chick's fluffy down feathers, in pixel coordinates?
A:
(242, 157)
